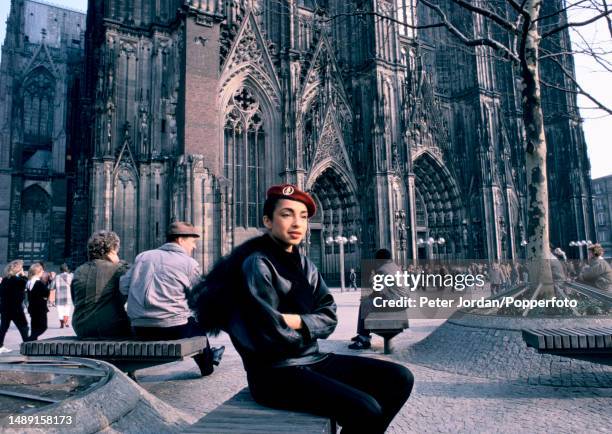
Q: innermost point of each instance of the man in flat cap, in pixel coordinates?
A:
(158, 285)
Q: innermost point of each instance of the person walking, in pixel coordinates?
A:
(495, 278)
(353, 279)
(275, 306)
(99, 310)
(12, 294)
(38, 298)
(60, 287)
(158, 285)
(50, 277)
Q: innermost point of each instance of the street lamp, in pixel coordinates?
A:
(579, 245)
(524, 247)
(431, 241)
(341, 241)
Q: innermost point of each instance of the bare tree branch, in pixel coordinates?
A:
(605, 5)
(503, 22)
(579, 88)
(519, 8)
(592, 53)
(561, 11)
(576, 24)
(476, 42)
(362, 13)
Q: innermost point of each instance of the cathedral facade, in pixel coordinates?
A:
(40, 79)
(190, 109)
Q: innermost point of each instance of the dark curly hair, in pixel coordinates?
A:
(101, 244)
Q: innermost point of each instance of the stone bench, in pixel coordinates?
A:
(586, 343)
(241, 414)
(387, 325)
(127, 355)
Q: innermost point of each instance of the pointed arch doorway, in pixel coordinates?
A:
(439, 210)
(34, 225)
(337, 214)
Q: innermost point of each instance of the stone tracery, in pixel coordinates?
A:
(244, 154)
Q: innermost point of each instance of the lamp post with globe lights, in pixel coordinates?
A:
(341, 241)
(579, 244)
(436, 242)
(431, 241)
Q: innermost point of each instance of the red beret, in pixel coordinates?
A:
(291, 192)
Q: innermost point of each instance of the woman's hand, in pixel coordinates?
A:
(293, 321)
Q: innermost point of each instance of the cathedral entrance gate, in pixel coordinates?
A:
(439, 211)
(337, 214)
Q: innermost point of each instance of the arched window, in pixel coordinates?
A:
(35, 224)
(125, 211)
(244, 157)
(405, 11)
(38, 97)
(421, 211)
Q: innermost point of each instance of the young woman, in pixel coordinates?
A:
(38, 296)
(60, 285)
(12, 294)
(275, 305)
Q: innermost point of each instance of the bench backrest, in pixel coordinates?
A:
(393, 320)
(575, 338)
(101, 349)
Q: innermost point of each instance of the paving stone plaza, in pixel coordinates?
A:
(469, 378)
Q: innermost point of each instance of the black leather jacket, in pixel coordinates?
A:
(257, 328)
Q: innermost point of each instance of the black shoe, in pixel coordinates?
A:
(360, 345)
(206, 369)
(362, 338)
(207, 360)
(217, 354)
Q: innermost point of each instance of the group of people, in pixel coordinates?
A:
(269, 298)
(33, 291)
(154, 289)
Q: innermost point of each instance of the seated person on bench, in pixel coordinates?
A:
(157, 286)
(363, 339)
(598, 273)
(275, 305)
(98, 305)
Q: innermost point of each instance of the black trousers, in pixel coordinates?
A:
(362, 394)
(38, 324)
(365, 307)
(18, 317)
(189, 330)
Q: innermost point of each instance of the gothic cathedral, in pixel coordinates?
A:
(189, 109)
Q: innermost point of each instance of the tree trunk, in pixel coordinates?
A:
(538, 247)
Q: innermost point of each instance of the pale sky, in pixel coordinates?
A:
(597, 125)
